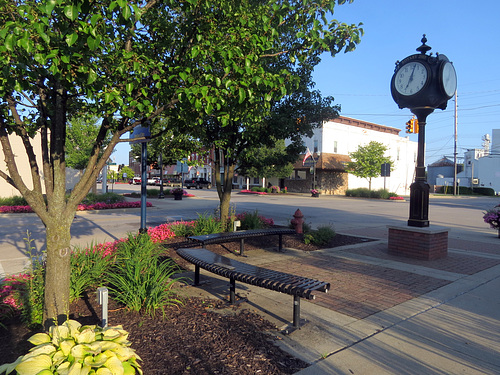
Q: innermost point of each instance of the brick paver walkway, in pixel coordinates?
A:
(361, 289)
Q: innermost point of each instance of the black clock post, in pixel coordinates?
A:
(421, 82)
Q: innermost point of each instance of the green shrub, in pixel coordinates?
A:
(321, 236)
(109, 198)
(183, 229)
(259, 189)
(13, 201)
(32, 300)
(366, 193)
(252, 220)
(89, 268)
(206, 224)
(462, 190)
(140, 279)
(359, 192)
(23, 294)
(484, 191)
(380, 194)
(75, 349)
(152, 193)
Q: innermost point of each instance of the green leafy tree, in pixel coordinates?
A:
(128, 171)
(266, 161)
(170, 141)
(59, 60)
(367, 161)
(262, 72)
(78, 148)
(126, 62)
(121, 61)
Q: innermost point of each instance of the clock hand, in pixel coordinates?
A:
(411, 76)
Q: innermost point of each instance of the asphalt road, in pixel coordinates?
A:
(346, 215)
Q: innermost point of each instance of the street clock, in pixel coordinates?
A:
(422, 80)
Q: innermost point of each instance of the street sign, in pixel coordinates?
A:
(385, 170)
(140, 134)
(309, 163)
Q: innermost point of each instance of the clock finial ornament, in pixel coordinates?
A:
(424, 47)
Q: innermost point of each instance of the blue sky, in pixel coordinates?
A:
(466, 32)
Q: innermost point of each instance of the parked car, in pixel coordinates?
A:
(135, 181)
(153, 181)
(198, 183)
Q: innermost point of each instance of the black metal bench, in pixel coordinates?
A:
(297, 286)
(241, 235)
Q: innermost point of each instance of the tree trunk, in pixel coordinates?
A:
(58, 270)
(224, 189)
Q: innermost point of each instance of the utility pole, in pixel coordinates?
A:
(455, 151)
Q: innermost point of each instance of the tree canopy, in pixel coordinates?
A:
(78, 147)
(368, 160)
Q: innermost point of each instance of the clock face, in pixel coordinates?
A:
(411, 78)
(449, 79)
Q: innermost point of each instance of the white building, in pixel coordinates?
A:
(7, 190)
(332, 143)
(482, 166)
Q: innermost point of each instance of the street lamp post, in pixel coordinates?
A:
(160, 162)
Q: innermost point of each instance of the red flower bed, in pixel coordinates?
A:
(253, 192)
(81, 207)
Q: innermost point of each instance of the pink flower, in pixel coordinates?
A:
(253, 192)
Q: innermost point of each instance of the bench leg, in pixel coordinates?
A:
(280, 246)
(242, 246)
(196, 275)
(232, 292)
(296, 312)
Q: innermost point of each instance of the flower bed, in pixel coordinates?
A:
(396, 198)
(253, 192)
(81, 207)
(492, 217)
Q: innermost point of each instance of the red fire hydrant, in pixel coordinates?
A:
(297, 221)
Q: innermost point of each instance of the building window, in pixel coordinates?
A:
(334, 147)
(256, 181)
(315, 145)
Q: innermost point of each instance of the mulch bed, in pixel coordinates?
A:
(201, 336)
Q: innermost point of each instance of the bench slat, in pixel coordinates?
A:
(240, 235)
(232, 236)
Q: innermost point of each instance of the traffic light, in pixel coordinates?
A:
(409, 126)
(412, 126)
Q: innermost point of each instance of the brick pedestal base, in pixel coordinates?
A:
(418, 243)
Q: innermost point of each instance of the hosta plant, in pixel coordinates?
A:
(71, 348)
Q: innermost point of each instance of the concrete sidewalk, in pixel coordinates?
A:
(384, 314)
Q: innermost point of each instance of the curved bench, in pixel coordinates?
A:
(297, 286)
(241, 235)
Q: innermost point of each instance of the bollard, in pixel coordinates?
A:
(236, 225)
(102, 299)
(297, 221)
